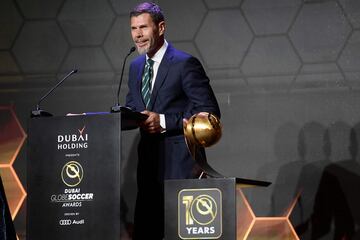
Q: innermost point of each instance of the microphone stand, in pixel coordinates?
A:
(117, 107)
(41, 113)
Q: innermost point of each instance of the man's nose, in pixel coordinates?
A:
(138, 33)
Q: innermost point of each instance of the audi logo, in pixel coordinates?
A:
(65, 222)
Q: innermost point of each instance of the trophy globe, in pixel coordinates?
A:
(202, 130)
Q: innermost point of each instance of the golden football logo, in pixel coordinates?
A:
(72, 173)
(203, 209)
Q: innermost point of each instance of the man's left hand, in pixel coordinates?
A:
(152, 123)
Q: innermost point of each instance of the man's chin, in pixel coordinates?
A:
(142, 51)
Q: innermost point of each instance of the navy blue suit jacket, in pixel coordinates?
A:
(181, 89)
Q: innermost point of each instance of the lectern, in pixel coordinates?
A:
(210, 208)
(73, 176)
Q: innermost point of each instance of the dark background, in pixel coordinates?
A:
(285, 72)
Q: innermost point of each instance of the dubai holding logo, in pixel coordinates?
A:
(73, 141)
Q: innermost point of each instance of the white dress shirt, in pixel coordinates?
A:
(157, 60)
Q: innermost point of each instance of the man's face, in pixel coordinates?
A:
(147, 36)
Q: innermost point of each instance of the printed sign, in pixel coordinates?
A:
(200, 213)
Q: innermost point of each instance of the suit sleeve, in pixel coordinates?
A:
(196, 86)
(131, 85)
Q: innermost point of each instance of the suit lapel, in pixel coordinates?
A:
(161, 75)
(139, 78)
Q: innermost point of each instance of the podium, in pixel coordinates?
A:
(73, 176)
(7, 230)
(210, 208)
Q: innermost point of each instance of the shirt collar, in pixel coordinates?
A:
(160, 53)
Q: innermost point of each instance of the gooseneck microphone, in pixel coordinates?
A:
(117, 107)
(40, 113)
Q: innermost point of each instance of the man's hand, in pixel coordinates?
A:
(152, 123)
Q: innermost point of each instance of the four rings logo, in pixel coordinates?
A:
(65, 222)
(72, 173)
(200, 213)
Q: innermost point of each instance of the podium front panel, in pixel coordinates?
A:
(74, 178)
(200, 209)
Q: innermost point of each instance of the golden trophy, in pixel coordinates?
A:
(202, 130)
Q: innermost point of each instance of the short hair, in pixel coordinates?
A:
(151, 8)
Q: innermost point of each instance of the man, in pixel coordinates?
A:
(167, 85)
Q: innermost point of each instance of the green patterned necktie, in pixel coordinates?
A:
(146, 82)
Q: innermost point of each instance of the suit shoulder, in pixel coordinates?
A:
(181, 55)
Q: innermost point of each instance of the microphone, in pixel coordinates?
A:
(40, 113)
(117, 107)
